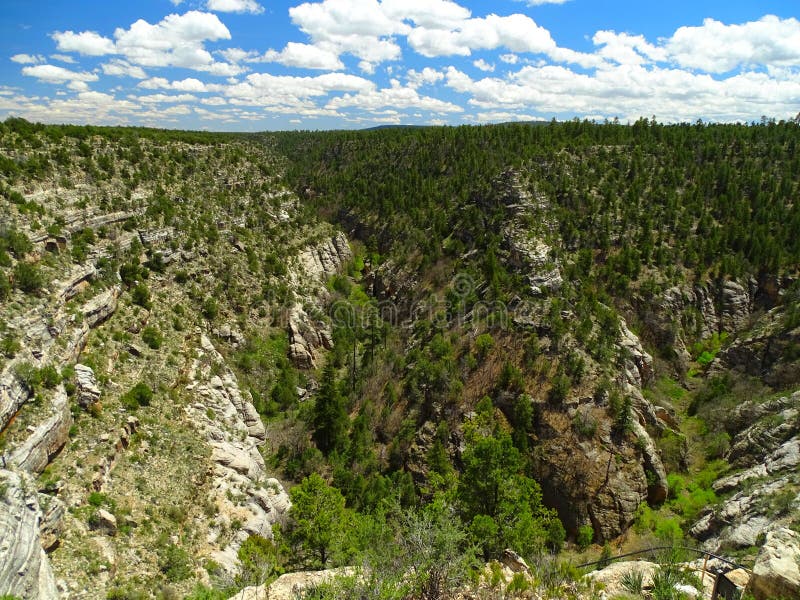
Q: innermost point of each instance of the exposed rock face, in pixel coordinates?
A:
(533, 255)
(701, 310)
(47, 439)
(75, 282)
(325, 259)
(602, 483)
(24, 569)
(13, 394)
(151, 237)
(307, 337)
(739, 521)
(107, 463)
(527, 251)
(766, 352)
(102, 306)
(52, 523)
(658, 489)
(638, 368)
(776, 573)
(769, 454)
(88, 391)
(234, 431)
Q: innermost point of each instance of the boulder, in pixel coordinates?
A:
(776, 573)
(103, 521)
(611, 576)
(88, 391)
(290, 586)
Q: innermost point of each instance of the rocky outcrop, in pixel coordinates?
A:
(658, 487)
(152, 237)
(75, 282)
(741, 519)
(599, 481)
(776, 573)
(767, 351)
(51, 526)
(13, 393)
(107, 463)
(784, 458)
(611, 577)
(768, 454)
(292, 585)
(755, 445)
(638, 365)
(95, 221)
(325, 259)
(533, 256)
(307, 337)
(102, 306)
(689, 312)
(36, 452)
(87, 390)
(104, 522)
(234, 431)
(24, 569)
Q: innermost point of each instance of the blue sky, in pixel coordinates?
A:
(249, 65)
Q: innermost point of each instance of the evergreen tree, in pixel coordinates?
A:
(329, 418)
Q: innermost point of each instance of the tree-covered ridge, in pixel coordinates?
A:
(716, 197)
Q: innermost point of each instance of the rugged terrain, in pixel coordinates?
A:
(596, 326)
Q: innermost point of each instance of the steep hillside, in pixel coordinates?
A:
(445, 341)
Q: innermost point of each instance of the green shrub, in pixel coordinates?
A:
(210, 309)
(484, 344)
(175, 563)
(139, 395)
(28, 278)
(633, 581)
(585, 536)
(152, 337)
(140, 295)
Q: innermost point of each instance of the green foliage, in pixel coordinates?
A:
(175, 563)
(14, 241)
(585, 536)
(28, 277)
(5, 287)
(560, 387)
(317, 522)
(210, 308)
(329, 417)
(140, 295)
(484, 344)
(139, 395)
(153, 337)
(259, 559)
(633, 581)
(502, 506)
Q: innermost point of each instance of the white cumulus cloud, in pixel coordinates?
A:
(305, 56)
(717, 48)
(55, 74)
(28, 59)
(122, 68)
(88, 43)
(235, 6)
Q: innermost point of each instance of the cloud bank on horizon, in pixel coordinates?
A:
(248, 65)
